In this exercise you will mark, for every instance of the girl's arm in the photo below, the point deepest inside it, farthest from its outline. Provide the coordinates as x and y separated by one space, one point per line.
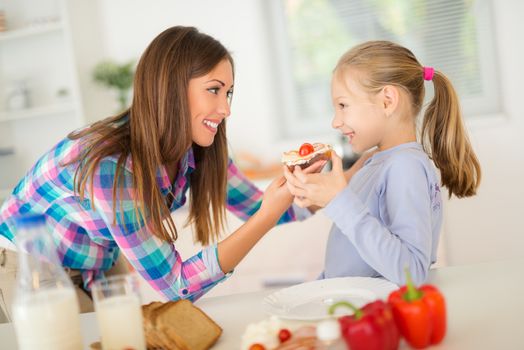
236 246
407 209
348 174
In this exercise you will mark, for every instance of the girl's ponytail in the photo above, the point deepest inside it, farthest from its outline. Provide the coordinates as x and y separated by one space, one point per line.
445 138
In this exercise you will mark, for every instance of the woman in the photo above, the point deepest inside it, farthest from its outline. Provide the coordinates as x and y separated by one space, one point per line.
110 188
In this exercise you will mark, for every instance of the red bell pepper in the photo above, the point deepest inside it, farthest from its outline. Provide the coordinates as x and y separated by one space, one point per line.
371 328
420 313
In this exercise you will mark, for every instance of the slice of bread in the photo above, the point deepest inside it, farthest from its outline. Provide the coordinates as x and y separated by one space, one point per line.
178 325
154 340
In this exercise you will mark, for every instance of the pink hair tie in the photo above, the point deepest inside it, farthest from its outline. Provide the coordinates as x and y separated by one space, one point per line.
428 73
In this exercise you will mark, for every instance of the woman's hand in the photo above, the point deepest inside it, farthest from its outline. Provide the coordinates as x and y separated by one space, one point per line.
277 198
316 189
275 202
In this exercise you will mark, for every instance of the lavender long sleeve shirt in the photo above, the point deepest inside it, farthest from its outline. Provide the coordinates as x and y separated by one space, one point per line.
388 217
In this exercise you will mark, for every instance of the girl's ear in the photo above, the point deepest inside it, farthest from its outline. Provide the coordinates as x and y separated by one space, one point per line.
390 99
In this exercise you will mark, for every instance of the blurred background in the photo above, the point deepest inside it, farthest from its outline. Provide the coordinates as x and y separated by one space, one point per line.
68 63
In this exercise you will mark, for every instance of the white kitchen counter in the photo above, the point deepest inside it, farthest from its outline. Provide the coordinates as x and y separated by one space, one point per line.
485 303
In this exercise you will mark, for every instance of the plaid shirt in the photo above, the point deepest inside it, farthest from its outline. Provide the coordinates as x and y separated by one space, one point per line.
90 240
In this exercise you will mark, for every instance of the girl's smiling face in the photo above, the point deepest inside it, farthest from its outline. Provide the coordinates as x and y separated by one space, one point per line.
358 114
209 102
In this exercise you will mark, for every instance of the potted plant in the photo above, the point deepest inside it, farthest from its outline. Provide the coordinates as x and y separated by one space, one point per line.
116 76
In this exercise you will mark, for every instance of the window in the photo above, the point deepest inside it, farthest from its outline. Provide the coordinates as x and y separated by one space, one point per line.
454 36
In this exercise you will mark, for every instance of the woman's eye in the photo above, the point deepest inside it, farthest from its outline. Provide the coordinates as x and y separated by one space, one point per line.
213 90
342 105
229 95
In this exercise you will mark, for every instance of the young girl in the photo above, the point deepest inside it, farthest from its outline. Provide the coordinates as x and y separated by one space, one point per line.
388 217
110 188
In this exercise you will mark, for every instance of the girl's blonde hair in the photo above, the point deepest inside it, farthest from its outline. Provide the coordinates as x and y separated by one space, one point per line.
443 134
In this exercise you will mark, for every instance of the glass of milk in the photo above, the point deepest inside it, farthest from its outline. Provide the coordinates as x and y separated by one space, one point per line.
119 313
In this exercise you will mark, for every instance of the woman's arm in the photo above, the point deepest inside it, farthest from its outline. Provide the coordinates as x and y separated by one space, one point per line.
244 198
234 248
157 261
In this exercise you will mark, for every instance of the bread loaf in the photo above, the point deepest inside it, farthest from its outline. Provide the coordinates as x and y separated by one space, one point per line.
178 325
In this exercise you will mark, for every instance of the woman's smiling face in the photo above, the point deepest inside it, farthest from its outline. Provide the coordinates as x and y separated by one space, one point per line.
209 99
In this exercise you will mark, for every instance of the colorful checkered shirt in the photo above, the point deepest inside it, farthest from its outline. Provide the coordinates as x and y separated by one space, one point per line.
90 240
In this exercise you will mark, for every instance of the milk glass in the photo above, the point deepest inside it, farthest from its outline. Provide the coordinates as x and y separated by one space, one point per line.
119 313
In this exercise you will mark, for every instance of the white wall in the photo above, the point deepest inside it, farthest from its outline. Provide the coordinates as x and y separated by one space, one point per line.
482 228
89 49
489 226
127 27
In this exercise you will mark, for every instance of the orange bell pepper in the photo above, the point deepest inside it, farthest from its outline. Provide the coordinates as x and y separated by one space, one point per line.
420 313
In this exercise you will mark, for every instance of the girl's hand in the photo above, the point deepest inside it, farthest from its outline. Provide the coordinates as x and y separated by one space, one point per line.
316 189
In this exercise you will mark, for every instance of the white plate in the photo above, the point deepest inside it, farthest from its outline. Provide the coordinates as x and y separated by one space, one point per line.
310 301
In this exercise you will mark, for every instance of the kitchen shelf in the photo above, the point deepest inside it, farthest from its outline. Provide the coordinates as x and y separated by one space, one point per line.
37 49
31 31
37 112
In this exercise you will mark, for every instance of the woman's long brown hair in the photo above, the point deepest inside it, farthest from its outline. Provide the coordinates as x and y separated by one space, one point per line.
156 131
443 134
